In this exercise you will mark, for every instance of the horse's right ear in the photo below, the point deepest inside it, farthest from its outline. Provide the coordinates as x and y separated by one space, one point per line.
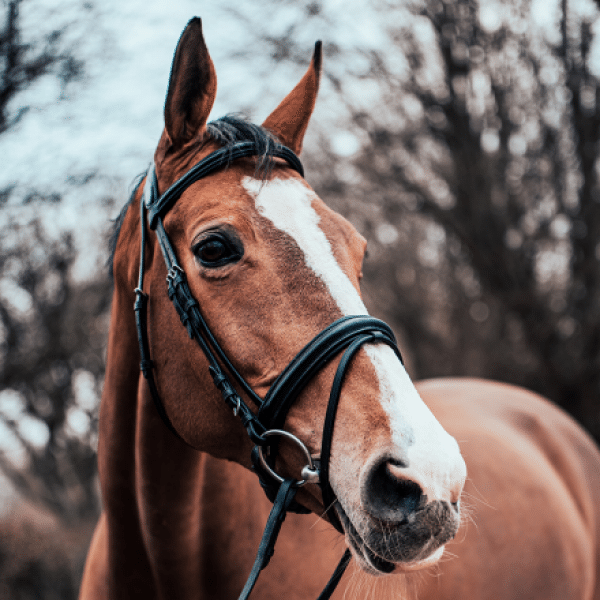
290 119
192 88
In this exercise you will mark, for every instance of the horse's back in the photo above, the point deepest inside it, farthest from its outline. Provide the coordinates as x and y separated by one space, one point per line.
533 491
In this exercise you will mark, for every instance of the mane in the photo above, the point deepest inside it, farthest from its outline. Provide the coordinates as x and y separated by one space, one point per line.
230 129
227 131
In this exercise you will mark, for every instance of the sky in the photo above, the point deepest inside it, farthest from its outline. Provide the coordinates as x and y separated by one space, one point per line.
109 123
111 120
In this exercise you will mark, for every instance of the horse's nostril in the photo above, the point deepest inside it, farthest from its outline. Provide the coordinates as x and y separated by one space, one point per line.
389 494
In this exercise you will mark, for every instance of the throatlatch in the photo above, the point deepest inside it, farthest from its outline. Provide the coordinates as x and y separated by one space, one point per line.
347 334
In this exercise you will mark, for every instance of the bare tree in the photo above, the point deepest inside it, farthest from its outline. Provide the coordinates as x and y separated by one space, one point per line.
51 369
23 62
52 336
43 349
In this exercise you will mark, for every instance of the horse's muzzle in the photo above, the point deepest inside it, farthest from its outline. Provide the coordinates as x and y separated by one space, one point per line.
399 526
383 547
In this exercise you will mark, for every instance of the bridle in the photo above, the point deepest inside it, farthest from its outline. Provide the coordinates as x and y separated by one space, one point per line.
264 428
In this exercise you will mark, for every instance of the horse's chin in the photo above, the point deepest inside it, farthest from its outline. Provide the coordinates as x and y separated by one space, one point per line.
396 560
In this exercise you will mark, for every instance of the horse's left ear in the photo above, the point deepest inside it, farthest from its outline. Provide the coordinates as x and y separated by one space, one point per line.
290 119
192 87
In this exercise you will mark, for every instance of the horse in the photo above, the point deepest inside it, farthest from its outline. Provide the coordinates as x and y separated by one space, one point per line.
258 358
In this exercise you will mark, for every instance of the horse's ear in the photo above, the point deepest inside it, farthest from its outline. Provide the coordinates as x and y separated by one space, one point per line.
192 87
290 119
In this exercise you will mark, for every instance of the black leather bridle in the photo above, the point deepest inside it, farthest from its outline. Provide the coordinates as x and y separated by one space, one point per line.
265 427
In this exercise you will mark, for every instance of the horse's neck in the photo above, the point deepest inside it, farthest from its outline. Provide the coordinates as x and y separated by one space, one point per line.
180 524
151 481
170 490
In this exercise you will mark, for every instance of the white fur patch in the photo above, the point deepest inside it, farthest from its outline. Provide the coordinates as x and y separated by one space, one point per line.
287 203
432 453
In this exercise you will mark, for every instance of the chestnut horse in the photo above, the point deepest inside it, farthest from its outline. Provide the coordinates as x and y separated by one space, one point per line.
270 270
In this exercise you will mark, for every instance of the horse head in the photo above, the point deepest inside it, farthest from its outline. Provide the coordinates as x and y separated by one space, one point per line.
271 267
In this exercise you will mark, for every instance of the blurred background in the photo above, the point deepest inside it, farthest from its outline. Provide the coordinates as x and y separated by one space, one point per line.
459 137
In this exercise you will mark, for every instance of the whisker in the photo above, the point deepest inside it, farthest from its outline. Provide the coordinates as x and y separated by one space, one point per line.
448 556
482 499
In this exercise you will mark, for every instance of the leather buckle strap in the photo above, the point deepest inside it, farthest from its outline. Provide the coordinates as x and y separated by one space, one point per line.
189 313
284 498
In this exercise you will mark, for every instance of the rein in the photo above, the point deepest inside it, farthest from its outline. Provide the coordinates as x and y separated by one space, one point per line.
264 428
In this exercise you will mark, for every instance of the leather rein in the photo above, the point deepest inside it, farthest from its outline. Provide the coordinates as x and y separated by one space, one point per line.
265 428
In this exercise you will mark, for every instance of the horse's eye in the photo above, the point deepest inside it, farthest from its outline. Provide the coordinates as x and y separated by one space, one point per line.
216 251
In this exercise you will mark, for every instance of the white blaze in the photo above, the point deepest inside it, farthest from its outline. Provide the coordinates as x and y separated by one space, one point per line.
287 203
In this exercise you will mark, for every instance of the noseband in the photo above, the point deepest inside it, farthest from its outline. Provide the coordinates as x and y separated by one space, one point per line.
265 428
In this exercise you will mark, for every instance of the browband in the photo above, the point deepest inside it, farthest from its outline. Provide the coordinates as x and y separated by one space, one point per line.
158 206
